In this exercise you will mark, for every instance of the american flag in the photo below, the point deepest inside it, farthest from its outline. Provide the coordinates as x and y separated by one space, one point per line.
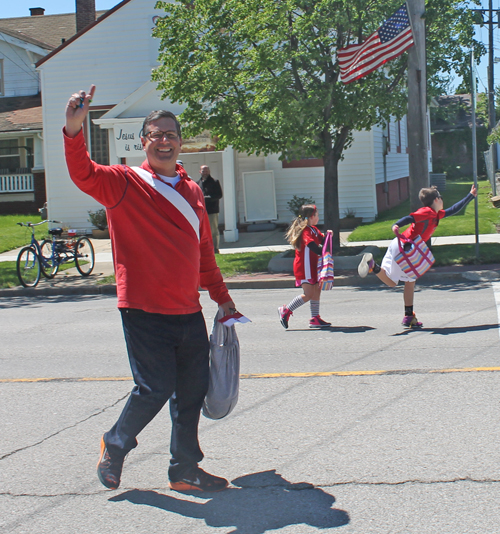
392 39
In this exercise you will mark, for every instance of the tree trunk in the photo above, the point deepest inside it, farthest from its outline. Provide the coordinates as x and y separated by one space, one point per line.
331 197
333 153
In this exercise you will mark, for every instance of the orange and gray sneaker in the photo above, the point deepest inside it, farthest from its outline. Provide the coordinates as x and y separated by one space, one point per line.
410 321
109 468
199 480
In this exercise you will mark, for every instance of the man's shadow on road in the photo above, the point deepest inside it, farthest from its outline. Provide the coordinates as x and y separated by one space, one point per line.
344 329
447 330
261 502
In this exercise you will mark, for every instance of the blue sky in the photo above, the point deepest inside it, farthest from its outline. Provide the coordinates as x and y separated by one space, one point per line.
20 8
482 35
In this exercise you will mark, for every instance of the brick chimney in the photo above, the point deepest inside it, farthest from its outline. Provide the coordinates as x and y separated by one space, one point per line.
85 13
36 11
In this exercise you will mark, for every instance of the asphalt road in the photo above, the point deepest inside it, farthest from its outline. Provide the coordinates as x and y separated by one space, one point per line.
362 428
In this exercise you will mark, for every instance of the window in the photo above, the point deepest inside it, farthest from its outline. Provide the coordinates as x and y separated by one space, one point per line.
99 141
1 78
397 140
301 163
386 133
16 155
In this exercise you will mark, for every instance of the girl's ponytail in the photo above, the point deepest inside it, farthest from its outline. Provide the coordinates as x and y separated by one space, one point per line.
294 233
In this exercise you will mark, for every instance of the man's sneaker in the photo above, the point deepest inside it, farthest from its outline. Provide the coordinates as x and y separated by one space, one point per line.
199 480
410 321
109 468
285 315
317 322
366 265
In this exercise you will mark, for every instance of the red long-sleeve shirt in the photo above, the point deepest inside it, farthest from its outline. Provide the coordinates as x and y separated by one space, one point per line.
159 263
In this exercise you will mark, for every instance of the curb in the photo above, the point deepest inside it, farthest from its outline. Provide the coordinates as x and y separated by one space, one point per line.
347 280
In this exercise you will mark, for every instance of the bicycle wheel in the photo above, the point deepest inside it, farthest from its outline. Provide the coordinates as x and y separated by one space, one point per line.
48 266
28 267
84 256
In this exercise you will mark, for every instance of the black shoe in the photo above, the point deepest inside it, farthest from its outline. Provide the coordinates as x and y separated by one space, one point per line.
109 468
199 480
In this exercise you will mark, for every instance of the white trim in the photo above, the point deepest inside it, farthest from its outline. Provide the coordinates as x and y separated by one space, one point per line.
174 197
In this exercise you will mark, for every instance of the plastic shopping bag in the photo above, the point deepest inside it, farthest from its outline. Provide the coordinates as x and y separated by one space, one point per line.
224 382
417 260
325 265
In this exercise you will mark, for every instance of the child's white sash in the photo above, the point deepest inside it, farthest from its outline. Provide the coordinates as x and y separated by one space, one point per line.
175 198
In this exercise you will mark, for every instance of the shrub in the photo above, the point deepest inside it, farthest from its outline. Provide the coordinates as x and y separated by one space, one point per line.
295 204
98 219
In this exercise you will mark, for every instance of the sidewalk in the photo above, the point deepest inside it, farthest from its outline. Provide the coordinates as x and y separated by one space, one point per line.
70 282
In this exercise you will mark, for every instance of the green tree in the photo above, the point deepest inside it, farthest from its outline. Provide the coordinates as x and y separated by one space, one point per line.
263 76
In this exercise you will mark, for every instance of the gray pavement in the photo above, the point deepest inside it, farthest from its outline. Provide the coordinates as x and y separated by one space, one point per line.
363 428
70 281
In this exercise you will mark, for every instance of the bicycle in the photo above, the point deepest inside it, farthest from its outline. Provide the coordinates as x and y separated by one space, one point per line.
46 258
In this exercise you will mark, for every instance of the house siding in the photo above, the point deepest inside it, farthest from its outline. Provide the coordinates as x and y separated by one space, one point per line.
20 79
129 67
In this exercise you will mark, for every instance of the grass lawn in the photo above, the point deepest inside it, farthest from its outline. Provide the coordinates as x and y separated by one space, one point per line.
8 273
461 224
244 262
14 236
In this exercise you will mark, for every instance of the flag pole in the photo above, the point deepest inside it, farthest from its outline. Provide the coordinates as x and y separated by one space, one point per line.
474 145
418 139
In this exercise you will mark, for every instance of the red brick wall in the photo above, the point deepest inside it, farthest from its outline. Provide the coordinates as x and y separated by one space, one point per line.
85 13
397 192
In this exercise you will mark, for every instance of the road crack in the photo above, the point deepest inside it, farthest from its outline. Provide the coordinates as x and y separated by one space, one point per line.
21 449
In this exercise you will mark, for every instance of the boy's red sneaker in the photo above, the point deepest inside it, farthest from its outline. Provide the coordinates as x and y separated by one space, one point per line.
317 322
366 265
410 321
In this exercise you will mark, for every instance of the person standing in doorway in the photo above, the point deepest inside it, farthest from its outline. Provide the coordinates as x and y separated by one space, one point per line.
213 193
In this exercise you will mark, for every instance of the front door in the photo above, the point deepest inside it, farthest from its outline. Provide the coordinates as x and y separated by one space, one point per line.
192 163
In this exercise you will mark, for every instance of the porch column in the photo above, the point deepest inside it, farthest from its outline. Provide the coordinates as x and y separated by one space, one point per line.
229 197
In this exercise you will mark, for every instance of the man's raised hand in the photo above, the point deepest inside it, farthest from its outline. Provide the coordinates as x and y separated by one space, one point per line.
77 109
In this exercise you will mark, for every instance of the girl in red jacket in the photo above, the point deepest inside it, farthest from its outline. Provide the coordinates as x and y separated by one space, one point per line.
308 242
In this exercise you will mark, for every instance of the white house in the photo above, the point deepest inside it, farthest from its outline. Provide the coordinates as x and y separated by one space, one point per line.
23 42
117 53
22 184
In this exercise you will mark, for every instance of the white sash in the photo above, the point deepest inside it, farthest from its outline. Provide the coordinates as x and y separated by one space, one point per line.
175 198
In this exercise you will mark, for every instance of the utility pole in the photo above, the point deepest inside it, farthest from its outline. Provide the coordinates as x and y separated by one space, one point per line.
418 135
474 145
491 78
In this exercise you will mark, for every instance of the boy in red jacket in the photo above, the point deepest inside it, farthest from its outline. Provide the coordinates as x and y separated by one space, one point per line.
423 222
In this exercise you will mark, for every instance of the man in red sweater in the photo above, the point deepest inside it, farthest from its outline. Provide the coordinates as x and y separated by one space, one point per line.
162 252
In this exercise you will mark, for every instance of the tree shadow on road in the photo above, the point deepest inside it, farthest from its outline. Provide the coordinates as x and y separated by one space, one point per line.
447 330
260 502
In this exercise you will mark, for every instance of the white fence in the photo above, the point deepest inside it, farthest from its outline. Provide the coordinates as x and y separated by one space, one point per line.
16 183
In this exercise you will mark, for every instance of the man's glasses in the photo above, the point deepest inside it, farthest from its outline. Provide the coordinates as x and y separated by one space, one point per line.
158 134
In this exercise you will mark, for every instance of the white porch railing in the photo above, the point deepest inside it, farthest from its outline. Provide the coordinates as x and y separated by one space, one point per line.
16 183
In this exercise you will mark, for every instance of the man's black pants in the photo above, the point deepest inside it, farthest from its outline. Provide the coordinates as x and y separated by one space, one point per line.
168 356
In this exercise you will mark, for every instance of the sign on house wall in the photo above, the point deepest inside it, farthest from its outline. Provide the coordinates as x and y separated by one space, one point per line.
128 144
128 139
